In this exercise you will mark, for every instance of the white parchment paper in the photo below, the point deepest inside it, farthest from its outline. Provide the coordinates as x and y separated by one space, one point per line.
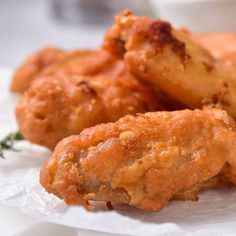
214 213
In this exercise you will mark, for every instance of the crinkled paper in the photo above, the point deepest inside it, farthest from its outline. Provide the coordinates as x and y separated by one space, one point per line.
213 214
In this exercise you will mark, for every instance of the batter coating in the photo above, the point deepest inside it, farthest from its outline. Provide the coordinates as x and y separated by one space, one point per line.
168 58
144 160
33 66
221 45
55 107
54 61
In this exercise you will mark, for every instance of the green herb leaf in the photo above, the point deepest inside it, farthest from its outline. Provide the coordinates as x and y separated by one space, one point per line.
8 142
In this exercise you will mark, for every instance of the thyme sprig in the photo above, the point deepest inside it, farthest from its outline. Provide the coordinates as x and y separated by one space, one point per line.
7 143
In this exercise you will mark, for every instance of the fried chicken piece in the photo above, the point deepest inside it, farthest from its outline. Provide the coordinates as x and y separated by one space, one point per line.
87 62
168 59
230 60
221 45
53 61
144 160
33 66
58 63
55 107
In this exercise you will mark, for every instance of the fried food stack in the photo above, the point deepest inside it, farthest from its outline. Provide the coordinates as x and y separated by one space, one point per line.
146 119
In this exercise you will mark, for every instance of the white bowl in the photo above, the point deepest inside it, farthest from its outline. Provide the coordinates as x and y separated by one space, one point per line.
198 15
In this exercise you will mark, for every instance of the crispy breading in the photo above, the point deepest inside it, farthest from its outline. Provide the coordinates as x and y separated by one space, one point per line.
168 59
33 66
87 62
57 106
144 160
53 61
58 63
230 60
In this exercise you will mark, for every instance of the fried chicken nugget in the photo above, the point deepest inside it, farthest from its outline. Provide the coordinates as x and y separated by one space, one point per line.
53 61
55 107
171 61
144 160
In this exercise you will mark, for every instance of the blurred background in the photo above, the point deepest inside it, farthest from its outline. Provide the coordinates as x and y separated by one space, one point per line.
27 25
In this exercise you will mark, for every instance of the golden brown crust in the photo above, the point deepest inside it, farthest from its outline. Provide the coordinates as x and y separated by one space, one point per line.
221 45
144 160
86 62
55 107
53 61
160 36
169 59
230 60
33 66
218 43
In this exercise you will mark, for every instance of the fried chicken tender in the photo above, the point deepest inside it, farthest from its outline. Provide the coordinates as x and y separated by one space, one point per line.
53 61
170 60
221 45
144 160
55 107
